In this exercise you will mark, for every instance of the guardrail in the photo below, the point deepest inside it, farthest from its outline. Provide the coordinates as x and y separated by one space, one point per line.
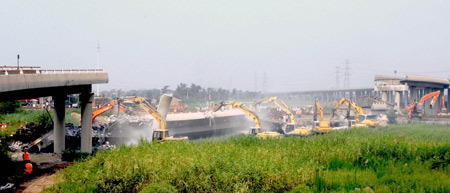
7 70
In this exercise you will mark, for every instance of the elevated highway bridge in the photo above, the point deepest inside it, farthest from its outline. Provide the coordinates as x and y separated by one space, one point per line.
400 91
32 82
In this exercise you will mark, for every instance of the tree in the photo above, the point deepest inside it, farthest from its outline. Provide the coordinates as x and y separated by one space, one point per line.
165 89
9 107
181 92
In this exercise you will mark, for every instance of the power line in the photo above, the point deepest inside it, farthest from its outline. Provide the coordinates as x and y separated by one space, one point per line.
98 63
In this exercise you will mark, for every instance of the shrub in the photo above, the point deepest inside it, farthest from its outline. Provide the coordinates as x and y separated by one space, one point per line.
9 107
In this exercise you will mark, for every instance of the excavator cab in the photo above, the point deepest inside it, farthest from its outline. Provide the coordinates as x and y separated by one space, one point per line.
158 134
288 127
321 127
352 123
368 122
255 130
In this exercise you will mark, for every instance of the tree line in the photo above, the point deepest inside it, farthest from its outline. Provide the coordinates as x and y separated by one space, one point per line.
187 93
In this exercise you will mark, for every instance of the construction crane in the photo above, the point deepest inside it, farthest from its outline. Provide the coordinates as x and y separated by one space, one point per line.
320 126
292 125
257 130
106 107
161 134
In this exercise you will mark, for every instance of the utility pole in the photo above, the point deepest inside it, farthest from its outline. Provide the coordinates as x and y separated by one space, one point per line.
98 63
347 75
337 77
18 57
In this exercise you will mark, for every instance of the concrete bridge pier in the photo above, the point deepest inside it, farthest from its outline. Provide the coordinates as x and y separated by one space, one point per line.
448 100
59 123
86 121
413 95
384 96
397 99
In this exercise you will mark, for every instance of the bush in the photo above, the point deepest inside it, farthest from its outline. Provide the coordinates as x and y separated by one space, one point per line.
10 107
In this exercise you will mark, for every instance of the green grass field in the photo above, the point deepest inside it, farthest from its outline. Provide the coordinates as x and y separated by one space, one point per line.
400 158
25 116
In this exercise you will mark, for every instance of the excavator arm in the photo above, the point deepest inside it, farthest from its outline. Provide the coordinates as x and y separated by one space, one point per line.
435 96
318 111
286 109
356 109
280 104
323 126
106 107
342 101
263 101
241 107
150 110
102 109
360 111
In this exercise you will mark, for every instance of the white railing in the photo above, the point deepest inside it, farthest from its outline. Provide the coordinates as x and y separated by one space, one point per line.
10 70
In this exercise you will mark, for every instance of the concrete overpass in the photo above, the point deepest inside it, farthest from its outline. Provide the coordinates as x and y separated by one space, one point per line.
402 91
32 82
394 90
327 95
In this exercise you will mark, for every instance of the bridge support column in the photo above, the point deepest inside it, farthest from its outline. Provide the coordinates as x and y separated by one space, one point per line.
397 99
59 132
86 122
438 103
413 95
448 101
384 96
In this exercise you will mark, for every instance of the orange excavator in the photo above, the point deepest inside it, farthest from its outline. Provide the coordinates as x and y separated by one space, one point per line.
417 108
442 104
106 107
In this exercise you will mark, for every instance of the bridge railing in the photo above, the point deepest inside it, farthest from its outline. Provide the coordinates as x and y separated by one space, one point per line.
10 70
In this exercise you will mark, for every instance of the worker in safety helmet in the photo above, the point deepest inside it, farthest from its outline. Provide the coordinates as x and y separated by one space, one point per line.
26 156
28 168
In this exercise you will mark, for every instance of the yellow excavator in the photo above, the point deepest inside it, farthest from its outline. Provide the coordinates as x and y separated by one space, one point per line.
161 134
320 126
292 125
358 111
257 130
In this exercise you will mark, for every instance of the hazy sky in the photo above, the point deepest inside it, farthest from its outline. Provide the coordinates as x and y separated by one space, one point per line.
297 44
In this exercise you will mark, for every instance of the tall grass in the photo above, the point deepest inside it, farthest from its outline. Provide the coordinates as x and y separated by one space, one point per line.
25 116
387 159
